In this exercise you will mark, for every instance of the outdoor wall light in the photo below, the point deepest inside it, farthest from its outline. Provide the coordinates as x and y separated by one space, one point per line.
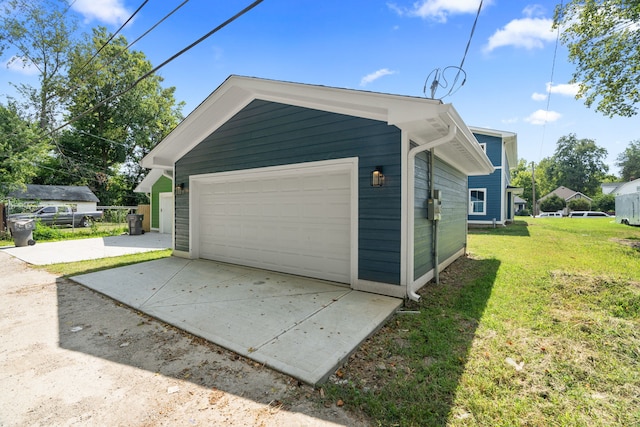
180 188
377 177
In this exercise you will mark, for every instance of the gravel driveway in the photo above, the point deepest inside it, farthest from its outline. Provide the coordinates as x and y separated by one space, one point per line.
69 356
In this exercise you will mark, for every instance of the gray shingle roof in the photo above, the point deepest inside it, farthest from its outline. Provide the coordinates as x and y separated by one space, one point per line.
66 193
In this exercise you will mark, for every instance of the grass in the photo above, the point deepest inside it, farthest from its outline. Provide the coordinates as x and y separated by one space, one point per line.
43 233
538 326
90 266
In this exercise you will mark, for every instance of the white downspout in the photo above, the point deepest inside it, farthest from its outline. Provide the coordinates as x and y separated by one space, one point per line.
411 293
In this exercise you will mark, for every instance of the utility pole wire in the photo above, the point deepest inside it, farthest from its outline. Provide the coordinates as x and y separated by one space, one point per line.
146 75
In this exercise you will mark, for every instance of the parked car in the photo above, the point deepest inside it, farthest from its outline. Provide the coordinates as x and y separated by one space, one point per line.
59 215
549 215
588 214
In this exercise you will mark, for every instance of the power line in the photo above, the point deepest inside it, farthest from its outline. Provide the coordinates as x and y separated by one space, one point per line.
553 67
154 70
436 83
112 37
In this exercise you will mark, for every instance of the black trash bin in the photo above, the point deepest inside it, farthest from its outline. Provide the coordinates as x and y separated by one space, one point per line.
135 224
22 232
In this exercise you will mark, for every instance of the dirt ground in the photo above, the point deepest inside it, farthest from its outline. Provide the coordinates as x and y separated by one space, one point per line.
69 356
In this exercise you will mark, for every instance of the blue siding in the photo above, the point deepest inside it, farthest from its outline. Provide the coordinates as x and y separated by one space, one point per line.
493 147
453 224
271 134
492 183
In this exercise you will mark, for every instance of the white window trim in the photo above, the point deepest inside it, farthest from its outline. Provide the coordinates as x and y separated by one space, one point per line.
483 145
484 205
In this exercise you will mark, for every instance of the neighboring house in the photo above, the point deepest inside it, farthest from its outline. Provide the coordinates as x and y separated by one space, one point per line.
158 186
280 176
491 197
520 203
81 198
567 195
621 188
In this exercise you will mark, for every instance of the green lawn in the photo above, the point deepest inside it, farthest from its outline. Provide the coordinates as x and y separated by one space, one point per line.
539 326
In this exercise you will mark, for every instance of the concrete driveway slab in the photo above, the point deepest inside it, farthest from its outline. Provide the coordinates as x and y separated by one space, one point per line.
86 249
300 326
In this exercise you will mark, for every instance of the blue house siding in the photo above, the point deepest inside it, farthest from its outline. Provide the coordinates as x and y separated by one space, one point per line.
422 227
452 231
493 186
493 147
453 223
271 134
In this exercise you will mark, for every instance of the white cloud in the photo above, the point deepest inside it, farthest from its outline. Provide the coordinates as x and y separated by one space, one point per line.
533 10
538 96
510 121
369 78
108 11
19 65
437 10
566 89
529 33
540 117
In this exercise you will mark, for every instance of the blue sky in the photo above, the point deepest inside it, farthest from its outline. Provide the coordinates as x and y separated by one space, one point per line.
381 46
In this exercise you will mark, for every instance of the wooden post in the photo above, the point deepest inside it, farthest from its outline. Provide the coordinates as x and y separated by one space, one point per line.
145 211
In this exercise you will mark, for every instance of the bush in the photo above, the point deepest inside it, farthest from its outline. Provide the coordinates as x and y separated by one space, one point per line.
579 205
43 232
552 203
604 203
523 212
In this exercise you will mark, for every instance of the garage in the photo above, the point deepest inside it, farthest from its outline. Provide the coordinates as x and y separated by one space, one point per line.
295 219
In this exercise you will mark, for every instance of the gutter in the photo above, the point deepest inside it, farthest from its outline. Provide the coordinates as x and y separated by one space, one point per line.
413 152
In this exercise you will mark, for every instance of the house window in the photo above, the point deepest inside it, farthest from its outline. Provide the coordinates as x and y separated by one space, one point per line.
478 201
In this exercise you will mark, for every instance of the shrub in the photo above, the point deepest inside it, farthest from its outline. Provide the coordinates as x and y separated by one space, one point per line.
604 203
43 232
523 212
552 203
579 205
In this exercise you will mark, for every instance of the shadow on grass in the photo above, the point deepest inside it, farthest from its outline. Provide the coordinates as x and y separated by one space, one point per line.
408 373
517 228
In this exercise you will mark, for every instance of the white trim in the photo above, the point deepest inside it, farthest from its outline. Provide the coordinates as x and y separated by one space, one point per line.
425 278
483 147
380 288
327 166
469 204
406 212
424 119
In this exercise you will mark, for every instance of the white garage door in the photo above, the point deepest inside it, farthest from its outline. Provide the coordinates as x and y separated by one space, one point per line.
290 221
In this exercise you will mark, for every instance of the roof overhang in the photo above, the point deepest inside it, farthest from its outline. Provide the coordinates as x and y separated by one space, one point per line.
423 120
509 139
152 177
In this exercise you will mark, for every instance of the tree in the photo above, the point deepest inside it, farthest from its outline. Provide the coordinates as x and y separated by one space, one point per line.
22 147
604 202
578 164
115 122
39 34
552 203
629 162
579 205
604 42
521 177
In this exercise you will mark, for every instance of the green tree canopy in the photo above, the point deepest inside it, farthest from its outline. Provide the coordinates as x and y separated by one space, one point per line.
629 162
579 205
604 43
114 123
578 164
552 203
521 177
22 148
39 34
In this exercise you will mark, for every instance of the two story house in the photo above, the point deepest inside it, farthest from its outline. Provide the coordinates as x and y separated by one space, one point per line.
491 197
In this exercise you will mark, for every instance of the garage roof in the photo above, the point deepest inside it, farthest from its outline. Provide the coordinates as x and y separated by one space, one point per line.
64 193
424 120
